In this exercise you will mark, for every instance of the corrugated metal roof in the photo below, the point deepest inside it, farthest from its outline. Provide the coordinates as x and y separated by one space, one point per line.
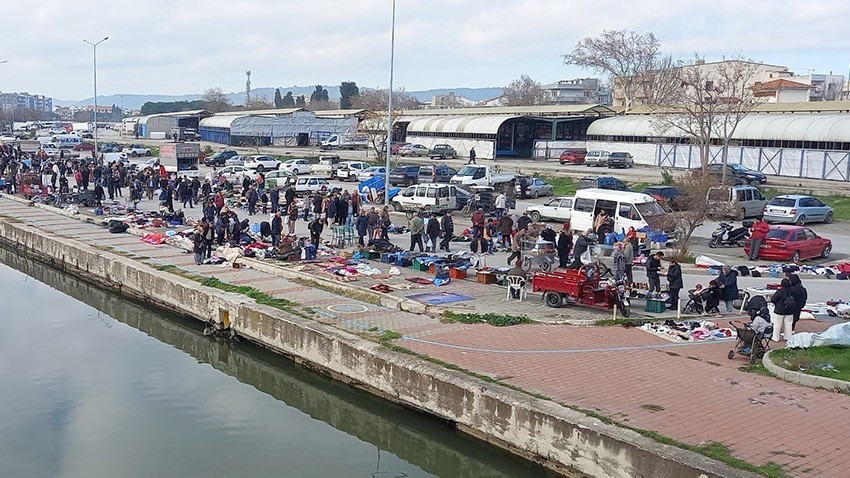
544 110
185 113
338 113
787 127
795 107
459 124
275 112
218 121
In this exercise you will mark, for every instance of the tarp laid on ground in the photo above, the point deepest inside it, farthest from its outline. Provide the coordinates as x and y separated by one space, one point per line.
837 335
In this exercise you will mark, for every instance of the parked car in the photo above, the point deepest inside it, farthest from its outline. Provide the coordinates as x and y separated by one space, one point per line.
621 160
237 160
596 158
137 150
739 201
219 158
437 173
414 150
233 174
740 173
350 170
279 179
396 147
602 182
262 163
442 151
297 166
371 172
558 209
310 184
404 175
797 209
142 165
111 148
670 196
792 243
87 135
536 187
573 156
84 146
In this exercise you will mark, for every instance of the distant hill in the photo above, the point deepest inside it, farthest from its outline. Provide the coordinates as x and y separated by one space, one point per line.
132 101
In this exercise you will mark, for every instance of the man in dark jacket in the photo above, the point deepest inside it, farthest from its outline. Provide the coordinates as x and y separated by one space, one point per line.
316 227
800 295
565 243
729 287
274 198
433 230
363 228
674 279
582 243
653 272
447 225
506 227
523 222
277 228
252 198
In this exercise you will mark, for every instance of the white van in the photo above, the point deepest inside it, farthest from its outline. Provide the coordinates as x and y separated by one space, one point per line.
628 209
66 141
432 197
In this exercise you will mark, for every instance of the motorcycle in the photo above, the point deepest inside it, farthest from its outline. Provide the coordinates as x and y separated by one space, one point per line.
619 295
729 236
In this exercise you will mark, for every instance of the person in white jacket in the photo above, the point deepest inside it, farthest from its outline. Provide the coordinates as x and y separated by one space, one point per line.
500 203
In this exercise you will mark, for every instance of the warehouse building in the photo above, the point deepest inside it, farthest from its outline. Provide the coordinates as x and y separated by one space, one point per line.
281 127
159 126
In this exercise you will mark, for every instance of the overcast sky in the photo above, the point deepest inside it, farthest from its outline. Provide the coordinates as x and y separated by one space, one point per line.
185 46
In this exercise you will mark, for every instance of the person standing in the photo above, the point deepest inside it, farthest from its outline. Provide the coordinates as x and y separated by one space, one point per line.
783 311
581 246
433 230
292 216
417 226
363 228
316 227
653 272
218 201
516 245
471 156
198 246
252 198
274 198
447 226
674 279
629 253
385 223
372 219
277 228
564 245
506 228
759 232
523 222
500 203
618 268
729 287
801 296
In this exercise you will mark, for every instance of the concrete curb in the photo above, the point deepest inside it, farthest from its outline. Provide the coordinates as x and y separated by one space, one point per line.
804 379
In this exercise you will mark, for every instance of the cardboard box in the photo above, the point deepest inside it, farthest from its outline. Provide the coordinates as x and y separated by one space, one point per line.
485 278
455 273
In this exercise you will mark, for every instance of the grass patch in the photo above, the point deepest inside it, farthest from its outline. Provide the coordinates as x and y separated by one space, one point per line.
388 337
758 368
563 185
497 320
257 295
831 362
166 268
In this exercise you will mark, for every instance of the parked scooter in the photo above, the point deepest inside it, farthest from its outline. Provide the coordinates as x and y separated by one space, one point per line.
729 236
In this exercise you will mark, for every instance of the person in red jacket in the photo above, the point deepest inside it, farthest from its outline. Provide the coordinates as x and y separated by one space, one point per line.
759 231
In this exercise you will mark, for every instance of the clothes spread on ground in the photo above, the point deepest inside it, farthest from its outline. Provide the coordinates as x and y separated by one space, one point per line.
689 330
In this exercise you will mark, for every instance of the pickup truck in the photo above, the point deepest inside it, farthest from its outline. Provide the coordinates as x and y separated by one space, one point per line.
345 142
326 167
475 175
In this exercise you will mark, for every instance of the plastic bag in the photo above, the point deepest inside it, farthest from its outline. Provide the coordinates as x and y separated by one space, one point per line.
586 257
394 271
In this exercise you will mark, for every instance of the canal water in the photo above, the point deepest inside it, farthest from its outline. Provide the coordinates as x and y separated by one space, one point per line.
93 385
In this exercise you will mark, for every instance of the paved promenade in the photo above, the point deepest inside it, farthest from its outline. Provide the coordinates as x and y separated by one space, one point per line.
689 392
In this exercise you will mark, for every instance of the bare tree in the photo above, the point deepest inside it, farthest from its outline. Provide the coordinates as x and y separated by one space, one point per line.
694 208
705 103
525 92
216 100
627 57
259 103
378 100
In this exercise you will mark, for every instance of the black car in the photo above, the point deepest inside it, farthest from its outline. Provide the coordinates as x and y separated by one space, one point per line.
602 182
219 158
404 175
739 174
668 195
621 160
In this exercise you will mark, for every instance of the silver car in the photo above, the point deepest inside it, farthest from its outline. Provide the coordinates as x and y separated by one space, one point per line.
797 209
537 188
596 158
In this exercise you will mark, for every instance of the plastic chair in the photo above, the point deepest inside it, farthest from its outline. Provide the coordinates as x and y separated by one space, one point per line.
516 283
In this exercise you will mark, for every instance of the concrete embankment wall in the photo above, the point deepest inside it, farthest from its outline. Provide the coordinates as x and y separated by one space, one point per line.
539 430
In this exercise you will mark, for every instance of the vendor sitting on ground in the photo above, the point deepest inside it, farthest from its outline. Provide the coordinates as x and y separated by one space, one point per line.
516 271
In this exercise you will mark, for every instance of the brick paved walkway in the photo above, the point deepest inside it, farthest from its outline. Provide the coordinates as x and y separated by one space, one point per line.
689 392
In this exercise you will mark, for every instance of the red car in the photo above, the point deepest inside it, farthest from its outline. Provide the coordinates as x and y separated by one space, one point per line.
792 243
84 147
573 156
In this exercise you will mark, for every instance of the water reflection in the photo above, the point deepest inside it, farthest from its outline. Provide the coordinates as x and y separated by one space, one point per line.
212 427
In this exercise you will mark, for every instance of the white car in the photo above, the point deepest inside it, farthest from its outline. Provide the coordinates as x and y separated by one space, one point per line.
136 150
297 166
262 163
558 209
414 150
310 184
279 179
371 172
235 161
233 174
350 170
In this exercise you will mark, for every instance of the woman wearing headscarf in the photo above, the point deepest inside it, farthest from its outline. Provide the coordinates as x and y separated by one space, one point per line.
783 311
564 244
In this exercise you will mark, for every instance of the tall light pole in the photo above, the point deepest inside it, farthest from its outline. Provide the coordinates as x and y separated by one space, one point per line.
389 142
94 48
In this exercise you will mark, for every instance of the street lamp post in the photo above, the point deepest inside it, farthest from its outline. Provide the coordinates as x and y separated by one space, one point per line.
94 48
389 142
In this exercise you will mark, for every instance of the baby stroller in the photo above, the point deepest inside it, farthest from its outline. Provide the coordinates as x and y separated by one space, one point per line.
706 300
754 338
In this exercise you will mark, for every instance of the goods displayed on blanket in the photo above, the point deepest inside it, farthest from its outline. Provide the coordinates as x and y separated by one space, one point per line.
689 330
830 308
154 238
840 271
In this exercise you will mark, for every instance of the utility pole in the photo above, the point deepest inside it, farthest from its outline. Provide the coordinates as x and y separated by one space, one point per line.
389 142
94 48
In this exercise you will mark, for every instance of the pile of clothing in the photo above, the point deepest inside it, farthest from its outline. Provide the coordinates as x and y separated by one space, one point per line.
689 330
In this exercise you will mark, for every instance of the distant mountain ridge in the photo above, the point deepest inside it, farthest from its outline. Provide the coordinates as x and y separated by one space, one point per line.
134 101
